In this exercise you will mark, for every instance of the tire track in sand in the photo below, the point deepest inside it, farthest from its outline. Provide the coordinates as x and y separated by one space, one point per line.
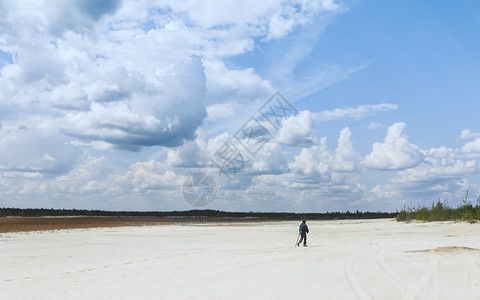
428 280
470 291
353 282
391 273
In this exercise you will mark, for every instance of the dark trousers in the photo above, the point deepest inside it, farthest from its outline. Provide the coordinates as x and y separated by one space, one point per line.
303 237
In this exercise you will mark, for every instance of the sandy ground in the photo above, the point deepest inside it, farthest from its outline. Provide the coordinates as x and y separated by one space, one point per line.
16 224
371 259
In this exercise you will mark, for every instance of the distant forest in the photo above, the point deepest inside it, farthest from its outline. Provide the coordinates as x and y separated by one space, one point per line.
207 213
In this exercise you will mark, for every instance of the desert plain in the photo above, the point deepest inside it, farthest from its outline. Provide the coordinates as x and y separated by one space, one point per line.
345 259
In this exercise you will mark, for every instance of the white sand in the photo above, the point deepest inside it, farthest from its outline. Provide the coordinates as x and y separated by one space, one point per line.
372 259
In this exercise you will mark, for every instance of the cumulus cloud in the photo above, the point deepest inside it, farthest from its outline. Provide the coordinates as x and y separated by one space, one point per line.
436 169
319 160
231 85
146 119
133 75
56 17
442 152
269 157
215 143
221 111
89 176
443 173
28 148
108 93
190 155
395 153
468 134
297 130
269 160
146 176
436 178
302 192
313 160
346 158
472 147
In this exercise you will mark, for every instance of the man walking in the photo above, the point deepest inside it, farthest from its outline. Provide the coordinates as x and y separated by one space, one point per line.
303 233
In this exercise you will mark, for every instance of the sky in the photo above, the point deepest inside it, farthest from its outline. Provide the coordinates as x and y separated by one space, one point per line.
294 106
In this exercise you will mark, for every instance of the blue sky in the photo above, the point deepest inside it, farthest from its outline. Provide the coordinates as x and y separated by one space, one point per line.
114 106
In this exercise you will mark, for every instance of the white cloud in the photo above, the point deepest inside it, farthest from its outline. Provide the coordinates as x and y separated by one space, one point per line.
146 176
221 111
374 125
468 134
269 160
442 152
472 147
89 176
314 160
436 169
329 5
97 64
279 26
233 85
190 155
297 130
234 24
32 144
443 174
132 74
395 153
111 94
302 193
215 143
136 74
346 158
319 160
138 120
251 15
359 112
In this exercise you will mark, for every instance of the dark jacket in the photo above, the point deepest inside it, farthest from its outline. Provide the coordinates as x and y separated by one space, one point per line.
303 228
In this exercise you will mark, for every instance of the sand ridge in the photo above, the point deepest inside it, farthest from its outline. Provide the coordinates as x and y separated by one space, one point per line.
448 249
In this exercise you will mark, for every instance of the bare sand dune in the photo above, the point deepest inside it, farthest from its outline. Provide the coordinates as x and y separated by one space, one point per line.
449 249
371 259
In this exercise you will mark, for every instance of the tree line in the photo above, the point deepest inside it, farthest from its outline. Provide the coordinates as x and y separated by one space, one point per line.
205 213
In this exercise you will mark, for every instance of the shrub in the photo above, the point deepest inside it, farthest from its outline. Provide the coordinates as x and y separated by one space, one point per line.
441 211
